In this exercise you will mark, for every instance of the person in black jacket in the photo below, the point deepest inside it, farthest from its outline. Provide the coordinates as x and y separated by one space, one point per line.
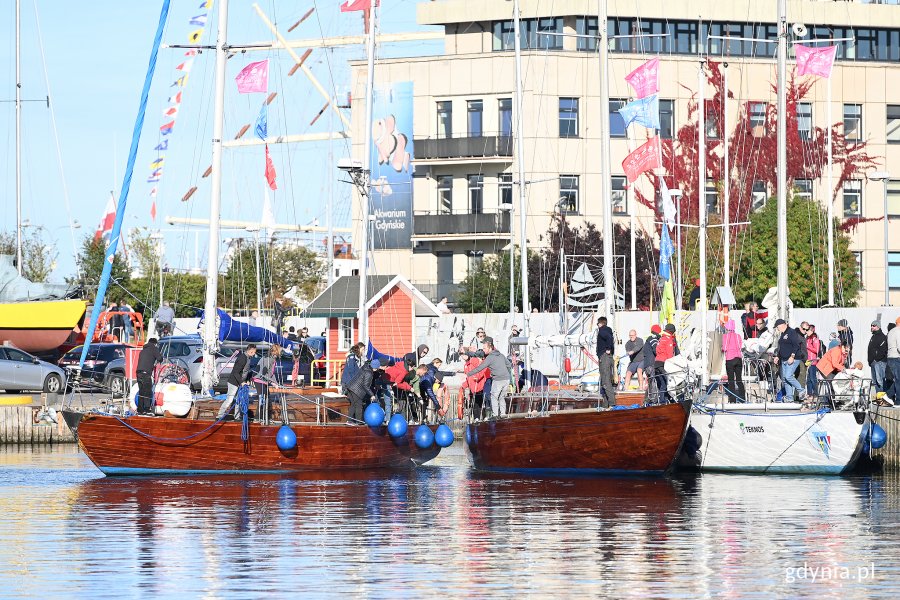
240 374
150 355
359 391
878 356
791 352
845 336
606 346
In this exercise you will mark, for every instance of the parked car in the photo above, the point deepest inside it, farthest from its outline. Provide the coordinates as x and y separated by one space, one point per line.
22 371
103 366
187 351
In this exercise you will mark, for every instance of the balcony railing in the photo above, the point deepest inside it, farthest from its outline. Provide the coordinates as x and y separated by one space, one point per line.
486 146
434 291
437 224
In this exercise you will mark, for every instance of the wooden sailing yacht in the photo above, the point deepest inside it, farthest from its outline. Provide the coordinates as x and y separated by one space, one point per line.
571 433
317 440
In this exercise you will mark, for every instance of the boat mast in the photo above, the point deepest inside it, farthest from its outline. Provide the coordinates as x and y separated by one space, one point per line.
701 219
782 162
18 139
726 231
520 162
367 174
830 198
605 182
210 315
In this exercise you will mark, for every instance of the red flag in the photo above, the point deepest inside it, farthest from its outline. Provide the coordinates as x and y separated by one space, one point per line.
106 223
270 170
351 5
644 158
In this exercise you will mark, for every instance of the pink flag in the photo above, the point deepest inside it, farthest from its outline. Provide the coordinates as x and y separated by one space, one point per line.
644 158
351 5
153 210
645 79
254 78
815 61
270 170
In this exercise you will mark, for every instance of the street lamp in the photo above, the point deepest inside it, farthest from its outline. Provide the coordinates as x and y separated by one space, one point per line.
884 177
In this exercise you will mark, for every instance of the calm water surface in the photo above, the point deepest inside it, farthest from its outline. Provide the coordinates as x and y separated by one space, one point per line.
66 531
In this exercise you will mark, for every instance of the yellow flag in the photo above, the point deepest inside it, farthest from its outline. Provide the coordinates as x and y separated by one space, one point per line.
194 36
667 304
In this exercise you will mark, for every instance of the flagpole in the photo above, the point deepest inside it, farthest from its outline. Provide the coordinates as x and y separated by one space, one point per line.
210 314
606 182
18 141
701 194
363 333
629 198
781 138
520 161
727 199
830 198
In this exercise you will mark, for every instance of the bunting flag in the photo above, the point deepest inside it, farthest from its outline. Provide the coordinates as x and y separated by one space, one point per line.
170 113
644 158
645 79
668 205
270 170
254 78
262 122
643 112
815 61
352 5
106 223
666 250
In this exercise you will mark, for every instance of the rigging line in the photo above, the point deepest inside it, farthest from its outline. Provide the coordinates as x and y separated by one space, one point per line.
51 106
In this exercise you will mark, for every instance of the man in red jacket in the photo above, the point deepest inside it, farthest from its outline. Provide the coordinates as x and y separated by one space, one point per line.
666 348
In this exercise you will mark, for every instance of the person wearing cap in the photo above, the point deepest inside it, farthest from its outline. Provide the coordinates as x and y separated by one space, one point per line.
791 351
815 349
877 356
666 348
359 391
694 298
893 361
845 335
606 347
649 358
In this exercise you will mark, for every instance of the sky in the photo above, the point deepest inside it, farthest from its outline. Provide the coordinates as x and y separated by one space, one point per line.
96 56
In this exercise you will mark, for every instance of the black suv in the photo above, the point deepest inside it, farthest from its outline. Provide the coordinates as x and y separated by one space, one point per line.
96 371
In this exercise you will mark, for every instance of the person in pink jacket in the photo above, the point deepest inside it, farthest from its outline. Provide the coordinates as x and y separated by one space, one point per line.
734 363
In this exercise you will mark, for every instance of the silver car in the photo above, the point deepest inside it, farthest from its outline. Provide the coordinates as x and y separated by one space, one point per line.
22 371
186 351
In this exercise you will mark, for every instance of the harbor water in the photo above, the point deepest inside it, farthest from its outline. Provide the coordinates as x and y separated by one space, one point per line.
440 531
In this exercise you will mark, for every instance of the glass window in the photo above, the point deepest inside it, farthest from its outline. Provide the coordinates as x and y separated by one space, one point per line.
503 35
857 254
853 198
893 199
586 26
568 193
685 37
568 117
616 122
445 119
894 270
758 118
711 119
535 33
758 195
853 121
619 195
18 355
804 119
504 107
712 198
345 334
476 118
893 123
476 194
445 194
506 188
803 188
475 259
666 119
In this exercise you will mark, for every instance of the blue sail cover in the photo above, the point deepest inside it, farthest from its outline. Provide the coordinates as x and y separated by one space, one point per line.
238 331
385 359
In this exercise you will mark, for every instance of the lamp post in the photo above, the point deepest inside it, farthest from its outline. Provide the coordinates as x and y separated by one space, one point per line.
884 177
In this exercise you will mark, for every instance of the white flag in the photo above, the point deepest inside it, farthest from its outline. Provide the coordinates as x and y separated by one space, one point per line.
268 215
668 205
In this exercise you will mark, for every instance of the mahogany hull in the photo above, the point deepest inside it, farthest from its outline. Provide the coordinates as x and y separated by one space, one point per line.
641 441
155 445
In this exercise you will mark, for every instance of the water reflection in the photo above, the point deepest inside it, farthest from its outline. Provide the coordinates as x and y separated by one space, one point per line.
439 531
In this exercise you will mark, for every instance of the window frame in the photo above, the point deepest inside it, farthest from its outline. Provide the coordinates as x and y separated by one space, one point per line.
712 192
755 205
857 131
504 117
858 255
617 129
887 123
757 119
666 119
475 182
803 190
805 117
505 188
846 194
619 191
571 193
893 198
475 116
443 206
345 333
446 132
568 116
893 262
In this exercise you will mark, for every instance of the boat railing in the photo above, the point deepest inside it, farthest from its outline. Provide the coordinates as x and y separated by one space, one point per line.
845 391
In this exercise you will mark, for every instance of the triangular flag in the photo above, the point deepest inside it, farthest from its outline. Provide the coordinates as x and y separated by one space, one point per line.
153 211
199 20
194 36
668 205
180 81
167 128
162 146
191 52
262 122
176 99
268 214
158 162
185 66
270 170
171 111
153 192
351 5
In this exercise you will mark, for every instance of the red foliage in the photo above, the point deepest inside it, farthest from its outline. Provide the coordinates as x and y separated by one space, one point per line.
753 154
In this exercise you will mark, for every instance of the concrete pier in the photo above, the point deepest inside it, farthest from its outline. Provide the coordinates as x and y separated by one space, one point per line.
889 454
